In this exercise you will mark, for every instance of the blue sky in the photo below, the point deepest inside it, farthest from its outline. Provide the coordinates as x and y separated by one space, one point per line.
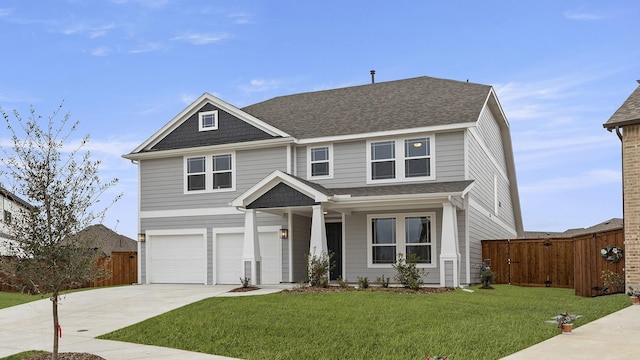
126 67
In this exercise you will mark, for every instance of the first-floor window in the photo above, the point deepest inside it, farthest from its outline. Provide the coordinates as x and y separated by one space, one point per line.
391 235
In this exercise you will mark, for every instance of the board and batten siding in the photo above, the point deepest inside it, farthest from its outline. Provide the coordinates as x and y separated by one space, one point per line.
162 180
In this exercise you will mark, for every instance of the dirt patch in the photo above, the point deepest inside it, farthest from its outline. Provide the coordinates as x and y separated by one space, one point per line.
394 290
244 289
66 356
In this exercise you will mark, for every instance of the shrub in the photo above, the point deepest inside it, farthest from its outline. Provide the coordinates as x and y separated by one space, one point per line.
363 282
384 282
409 275
487 276
245 281
344 283
318 267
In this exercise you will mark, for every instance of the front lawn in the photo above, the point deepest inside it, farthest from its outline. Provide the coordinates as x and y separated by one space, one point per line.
485 324
8 299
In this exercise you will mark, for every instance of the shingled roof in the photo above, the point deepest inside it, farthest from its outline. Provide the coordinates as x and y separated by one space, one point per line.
6 193
628 113
108 240
394 105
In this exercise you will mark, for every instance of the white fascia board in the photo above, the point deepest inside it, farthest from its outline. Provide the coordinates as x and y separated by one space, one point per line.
269 182
197 104
259 144
361 136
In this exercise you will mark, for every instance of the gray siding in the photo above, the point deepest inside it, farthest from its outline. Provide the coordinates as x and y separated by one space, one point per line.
490 131
162 180
450 156
481 227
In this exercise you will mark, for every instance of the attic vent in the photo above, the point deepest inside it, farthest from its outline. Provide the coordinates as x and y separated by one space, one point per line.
373 76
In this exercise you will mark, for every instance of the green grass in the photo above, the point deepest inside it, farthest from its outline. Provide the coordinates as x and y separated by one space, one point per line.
486 324
8 299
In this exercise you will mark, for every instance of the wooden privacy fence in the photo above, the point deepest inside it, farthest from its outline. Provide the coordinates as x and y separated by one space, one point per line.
123 267
573 262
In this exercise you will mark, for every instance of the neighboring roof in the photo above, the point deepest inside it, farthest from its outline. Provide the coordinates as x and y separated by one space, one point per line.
6 193
109 240
611 224
628 113
384 106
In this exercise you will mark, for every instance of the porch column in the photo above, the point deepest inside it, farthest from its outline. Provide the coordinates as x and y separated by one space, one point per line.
251 249
318 243
449 248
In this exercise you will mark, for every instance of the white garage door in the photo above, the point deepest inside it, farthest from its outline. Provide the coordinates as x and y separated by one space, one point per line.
177 259
229 268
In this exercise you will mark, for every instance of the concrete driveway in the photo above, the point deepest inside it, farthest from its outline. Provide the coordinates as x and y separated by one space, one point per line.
87 314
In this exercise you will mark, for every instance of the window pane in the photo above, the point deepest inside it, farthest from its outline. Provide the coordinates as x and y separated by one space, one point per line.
423 252
384 231
383 170
320 169
417 167
384 254
208 121
383 150
222 180
416 147
195 165
222 162
320 154
195 182
417 230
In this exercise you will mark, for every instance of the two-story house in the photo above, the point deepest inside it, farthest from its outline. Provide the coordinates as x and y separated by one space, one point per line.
421 165
10 206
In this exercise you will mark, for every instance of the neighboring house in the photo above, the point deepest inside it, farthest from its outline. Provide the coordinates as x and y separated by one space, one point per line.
108 240
626 123
9 208
421 165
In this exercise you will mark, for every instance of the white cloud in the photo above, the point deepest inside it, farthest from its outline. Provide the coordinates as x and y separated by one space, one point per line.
91 31
201 38
582 15
148 47
590 179
187 99
241 18
100 51
259 85
143 3
5 11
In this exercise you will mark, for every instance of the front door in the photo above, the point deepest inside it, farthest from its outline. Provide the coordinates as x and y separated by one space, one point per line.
334 245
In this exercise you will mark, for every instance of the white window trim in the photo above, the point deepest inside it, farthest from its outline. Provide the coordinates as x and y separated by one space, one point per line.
400 159
202 114
330 160
208 187
400 238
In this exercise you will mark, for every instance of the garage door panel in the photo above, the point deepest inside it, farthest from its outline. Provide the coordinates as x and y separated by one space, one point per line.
177 259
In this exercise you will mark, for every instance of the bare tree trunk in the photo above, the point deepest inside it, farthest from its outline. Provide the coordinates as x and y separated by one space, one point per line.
56 326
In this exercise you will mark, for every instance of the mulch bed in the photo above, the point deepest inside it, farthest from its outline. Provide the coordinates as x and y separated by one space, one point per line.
66 356
244 289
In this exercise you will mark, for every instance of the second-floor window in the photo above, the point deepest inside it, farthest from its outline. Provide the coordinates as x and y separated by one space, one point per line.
210 173
400 159
320 164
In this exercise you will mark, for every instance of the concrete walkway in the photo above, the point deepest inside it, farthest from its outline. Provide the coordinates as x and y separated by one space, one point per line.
613 337
87 314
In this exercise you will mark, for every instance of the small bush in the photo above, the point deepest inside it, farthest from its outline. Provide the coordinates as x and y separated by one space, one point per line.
363 282
344 283
409 275
245 281
318 268
487 276
382 281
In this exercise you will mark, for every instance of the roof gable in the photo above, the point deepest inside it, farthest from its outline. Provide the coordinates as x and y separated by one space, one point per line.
314 192
385 106
281 195
231 115
230 130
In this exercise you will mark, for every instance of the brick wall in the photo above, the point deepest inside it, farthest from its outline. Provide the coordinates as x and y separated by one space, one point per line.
631 179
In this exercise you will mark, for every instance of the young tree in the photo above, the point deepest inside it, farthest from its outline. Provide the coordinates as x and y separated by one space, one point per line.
63 187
